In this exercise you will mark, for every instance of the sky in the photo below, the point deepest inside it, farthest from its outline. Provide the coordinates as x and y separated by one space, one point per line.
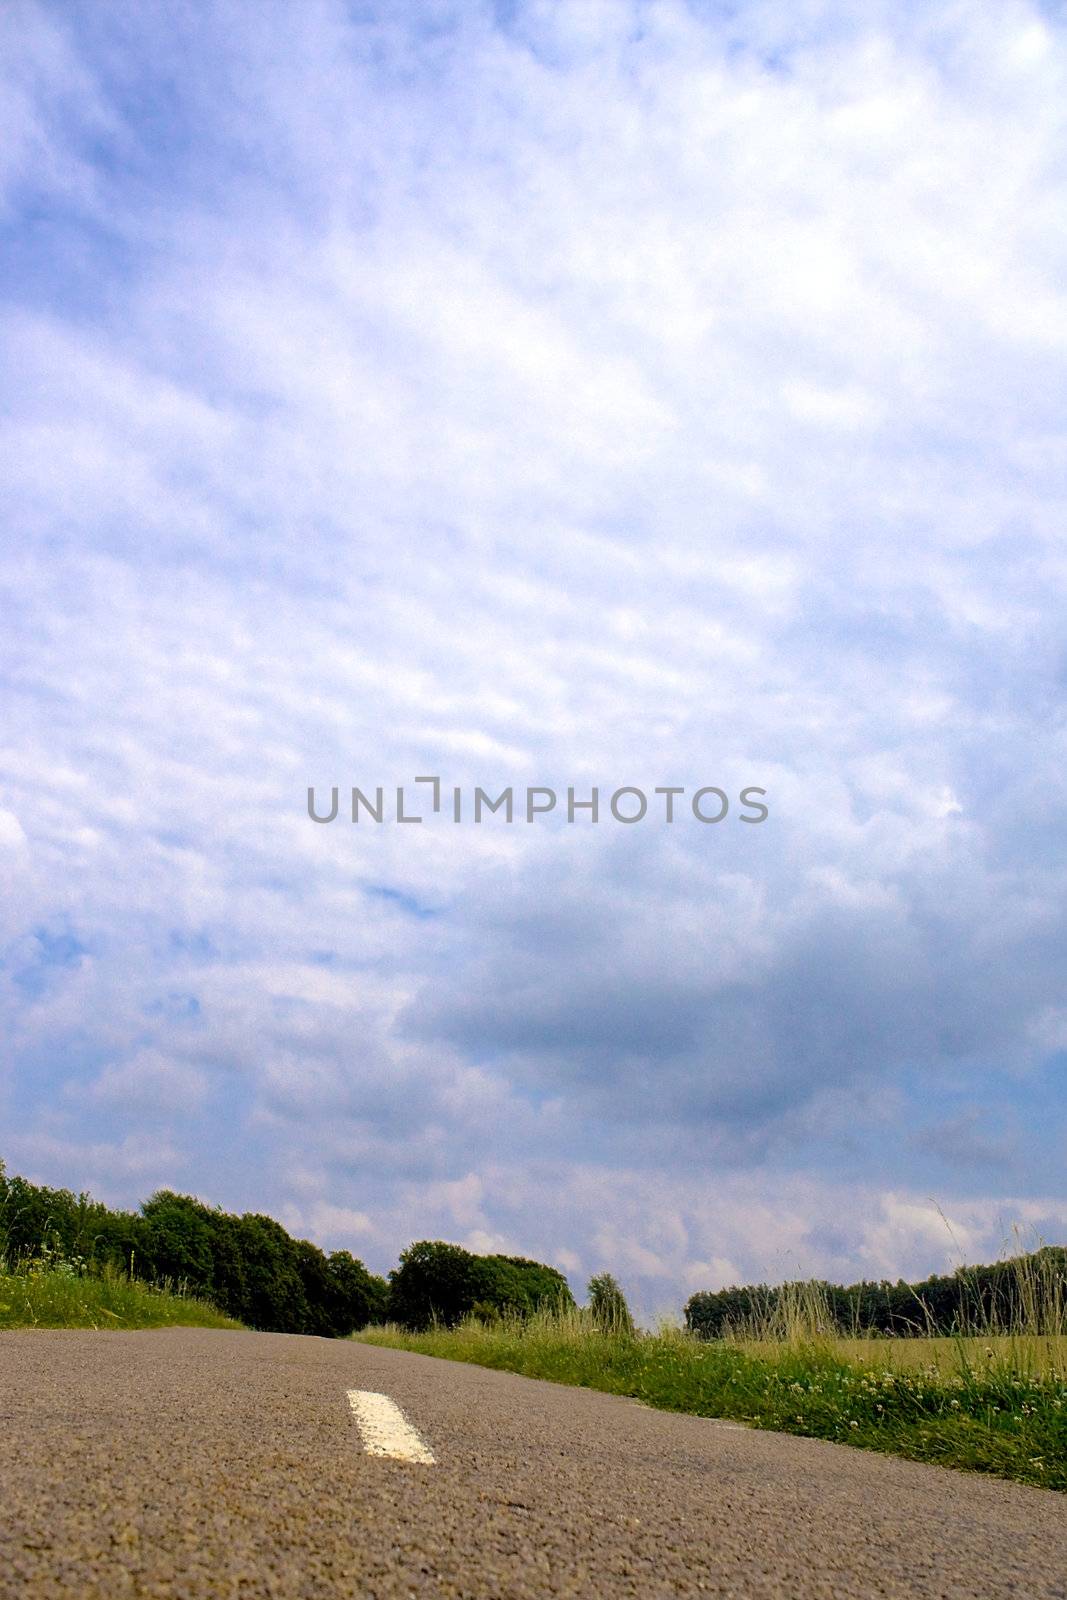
611 393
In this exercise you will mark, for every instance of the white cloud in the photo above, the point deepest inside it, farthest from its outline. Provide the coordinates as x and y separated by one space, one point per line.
151 1084
11 834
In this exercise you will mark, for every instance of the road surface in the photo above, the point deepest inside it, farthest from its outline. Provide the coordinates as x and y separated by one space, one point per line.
196 1465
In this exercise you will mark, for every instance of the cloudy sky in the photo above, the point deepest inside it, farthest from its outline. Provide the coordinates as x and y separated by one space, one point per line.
590 393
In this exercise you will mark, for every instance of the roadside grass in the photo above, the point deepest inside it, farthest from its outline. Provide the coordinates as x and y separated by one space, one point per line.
998 1408
1033 1341
1020 1352
60 1297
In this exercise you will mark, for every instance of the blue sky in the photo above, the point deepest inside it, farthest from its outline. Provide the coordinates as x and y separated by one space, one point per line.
608 393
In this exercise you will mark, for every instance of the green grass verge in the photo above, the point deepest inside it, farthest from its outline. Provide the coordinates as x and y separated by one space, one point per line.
57 1299
1004 1419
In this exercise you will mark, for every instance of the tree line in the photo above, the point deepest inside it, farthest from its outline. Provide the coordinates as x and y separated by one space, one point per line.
1025 1291
251 1268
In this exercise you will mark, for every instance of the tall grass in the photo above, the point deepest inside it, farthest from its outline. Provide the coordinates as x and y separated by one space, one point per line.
58 1296
1040 1294
794 1314
1030 1304
991 1415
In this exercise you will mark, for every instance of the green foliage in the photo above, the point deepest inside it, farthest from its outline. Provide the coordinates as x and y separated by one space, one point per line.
248 1266
442 1283
55 1293
521 1286
1027 1291
32 1217
358 1294
435 1282
607 1303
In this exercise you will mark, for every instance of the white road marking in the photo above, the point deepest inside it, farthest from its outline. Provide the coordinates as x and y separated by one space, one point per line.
385 1429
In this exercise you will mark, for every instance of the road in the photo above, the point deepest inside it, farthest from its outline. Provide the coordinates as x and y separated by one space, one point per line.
202 1465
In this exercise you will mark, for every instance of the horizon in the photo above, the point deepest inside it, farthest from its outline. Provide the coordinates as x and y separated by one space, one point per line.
1011 1253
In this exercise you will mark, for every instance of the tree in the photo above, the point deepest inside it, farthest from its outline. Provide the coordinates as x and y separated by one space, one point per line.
248 1266
359 1296
439 1282
436 1282
608 1305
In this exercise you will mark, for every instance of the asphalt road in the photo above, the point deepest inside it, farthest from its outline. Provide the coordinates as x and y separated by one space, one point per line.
190 1464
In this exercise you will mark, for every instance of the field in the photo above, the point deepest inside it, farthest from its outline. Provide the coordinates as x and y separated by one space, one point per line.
1030 1353
59 1298
994 1405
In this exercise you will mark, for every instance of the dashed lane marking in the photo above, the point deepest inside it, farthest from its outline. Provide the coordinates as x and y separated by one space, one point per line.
385 1429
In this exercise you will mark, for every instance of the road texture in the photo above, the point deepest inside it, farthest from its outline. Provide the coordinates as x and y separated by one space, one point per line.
197 1465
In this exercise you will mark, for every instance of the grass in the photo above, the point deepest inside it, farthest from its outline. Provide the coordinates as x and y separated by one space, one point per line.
998 1408
1034 1341
1020 1352
60 1297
